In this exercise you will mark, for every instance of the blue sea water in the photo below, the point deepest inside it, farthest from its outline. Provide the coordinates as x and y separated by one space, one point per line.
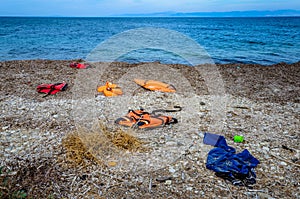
266 40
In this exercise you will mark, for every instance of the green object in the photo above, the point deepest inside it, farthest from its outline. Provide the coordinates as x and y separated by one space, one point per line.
238 138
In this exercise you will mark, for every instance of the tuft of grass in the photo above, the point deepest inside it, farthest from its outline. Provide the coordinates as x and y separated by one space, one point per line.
76 150
123 140
86 146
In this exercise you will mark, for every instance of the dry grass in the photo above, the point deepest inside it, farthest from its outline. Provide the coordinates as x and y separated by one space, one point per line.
81 153
76 151
83 146
123 140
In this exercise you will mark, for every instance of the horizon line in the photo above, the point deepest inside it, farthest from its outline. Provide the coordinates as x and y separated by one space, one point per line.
140 16
234 13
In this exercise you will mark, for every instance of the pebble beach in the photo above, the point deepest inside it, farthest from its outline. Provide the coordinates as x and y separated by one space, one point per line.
262 104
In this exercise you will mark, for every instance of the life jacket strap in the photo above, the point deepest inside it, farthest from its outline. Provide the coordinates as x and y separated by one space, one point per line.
177 108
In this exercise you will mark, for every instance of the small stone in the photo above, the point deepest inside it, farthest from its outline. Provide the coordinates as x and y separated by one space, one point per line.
112 163
195 137
5 128
175 175
172 170
264 196
266 148
22 108
163 179
201 134
283 163
189 188
24 136
266 156
264 143
168 182
171 143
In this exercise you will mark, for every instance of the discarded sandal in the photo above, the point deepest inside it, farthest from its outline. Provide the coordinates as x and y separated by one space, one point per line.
154 85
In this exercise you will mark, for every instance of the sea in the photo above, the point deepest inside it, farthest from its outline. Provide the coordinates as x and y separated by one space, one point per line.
256 40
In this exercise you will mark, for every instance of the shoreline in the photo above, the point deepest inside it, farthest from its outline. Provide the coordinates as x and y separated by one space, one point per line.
275 83
263 105
134 63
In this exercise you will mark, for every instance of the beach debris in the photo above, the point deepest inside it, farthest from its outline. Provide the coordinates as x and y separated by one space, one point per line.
142 119
44 171
79 65
51 89
238 138
110 89
154 85
211 139
237 168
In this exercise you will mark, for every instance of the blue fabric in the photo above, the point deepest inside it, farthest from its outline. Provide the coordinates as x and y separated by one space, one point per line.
211 139
223 159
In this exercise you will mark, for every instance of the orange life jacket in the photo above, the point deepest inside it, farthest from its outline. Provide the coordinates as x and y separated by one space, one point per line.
110 89
142 119
154 85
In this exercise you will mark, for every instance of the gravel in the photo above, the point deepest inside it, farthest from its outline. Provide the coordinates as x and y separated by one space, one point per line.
260 102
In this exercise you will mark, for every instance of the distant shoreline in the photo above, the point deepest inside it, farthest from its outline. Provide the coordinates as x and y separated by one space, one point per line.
230 14
137 16
137 63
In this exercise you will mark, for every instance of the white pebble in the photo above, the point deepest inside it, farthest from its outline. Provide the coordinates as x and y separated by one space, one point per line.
5 127
172 170
168 182
283 163
266 148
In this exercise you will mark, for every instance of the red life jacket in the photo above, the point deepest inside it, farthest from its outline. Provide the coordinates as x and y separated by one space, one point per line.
78 65
51 89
